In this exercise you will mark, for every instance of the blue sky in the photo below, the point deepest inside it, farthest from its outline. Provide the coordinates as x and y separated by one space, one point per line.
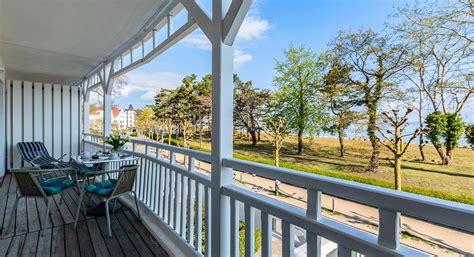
269 28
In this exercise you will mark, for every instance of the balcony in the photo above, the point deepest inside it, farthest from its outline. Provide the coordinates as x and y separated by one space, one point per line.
45 86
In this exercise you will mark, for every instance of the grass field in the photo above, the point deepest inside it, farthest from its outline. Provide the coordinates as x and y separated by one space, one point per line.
454 182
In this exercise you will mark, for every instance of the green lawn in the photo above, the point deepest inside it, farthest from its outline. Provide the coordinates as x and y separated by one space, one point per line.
454 182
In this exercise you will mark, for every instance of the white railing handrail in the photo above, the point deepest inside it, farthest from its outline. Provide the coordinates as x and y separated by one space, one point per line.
199 177
360 241
448 213
199 155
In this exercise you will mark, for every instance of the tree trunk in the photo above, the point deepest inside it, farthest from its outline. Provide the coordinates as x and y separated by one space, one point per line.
253 134
441 154
277 155
398 173
170 132
259 134
300 142
448 158
421 146
200 135
371 129
340 133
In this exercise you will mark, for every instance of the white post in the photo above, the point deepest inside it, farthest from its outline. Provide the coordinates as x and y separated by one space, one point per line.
86 110
222 132
2 120
107 115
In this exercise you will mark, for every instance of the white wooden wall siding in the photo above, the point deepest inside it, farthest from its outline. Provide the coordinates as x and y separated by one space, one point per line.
45 113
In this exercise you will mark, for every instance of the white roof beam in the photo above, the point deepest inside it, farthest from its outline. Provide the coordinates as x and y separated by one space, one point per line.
234 18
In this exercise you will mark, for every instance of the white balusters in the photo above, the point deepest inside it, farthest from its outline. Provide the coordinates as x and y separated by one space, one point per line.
249 231
234 228
191 193
208 221
198 231
288 235
267 232
313 212
389 228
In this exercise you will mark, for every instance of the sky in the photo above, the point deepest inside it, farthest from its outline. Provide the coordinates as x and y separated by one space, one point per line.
270 27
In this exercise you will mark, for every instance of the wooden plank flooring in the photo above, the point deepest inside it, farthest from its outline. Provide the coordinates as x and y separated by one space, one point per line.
129 236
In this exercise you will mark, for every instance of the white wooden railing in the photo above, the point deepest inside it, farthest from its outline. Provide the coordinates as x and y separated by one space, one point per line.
174 191
181 194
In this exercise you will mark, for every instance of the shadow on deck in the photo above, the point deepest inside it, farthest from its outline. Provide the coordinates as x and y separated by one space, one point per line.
130 237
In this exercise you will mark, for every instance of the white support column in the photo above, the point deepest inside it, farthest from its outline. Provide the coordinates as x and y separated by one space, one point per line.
222 132
2 120
169 21
107 115
85 124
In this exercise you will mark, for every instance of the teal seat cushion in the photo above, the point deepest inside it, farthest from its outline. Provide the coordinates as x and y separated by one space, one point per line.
56 185
103 188
85 170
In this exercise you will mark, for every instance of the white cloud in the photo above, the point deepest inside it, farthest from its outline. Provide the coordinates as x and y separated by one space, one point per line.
252 28
149 95
198 40
139 82
240 57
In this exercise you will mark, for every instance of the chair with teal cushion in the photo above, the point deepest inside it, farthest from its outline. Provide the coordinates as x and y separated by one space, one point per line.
28 186
54 186
111 189
103 188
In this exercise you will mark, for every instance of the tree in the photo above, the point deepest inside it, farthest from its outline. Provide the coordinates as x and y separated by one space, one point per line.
469 133
201 100
277 128
395 142
249 106
439 38
342 99
298 79
119 83
374 63
146 120
444 130
163 111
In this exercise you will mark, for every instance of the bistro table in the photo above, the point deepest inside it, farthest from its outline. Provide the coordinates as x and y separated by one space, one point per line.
102 164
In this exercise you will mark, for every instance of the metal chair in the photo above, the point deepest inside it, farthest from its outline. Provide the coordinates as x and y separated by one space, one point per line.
29 186
110 190
36 154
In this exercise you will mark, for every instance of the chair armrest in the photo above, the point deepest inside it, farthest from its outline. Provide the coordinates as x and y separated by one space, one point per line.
98 173
38 170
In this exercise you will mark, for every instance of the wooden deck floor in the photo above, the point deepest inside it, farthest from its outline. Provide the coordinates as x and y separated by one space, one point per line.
130 237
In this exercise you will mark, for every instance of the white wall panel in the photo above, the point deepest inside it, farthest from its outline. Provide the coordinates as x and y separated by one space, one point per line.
8 131
48 117
66 120
38 112
27 114
57 121
17 124
3 134
75 129
42 112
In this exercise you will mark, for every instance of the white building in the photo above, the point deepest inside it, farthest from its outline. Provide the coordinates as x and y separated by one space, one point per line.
121 118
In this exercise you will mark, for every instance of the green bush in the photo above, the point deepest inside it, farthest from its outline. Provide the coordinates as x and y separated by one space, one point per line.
469 133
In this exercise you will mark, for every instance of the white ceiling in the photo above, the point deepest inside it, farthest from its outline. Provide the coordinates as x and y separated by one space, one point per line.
59 41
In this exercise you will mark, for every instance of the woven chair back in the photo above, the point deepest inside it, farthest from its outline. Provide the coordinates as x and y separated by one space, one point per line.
125 180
